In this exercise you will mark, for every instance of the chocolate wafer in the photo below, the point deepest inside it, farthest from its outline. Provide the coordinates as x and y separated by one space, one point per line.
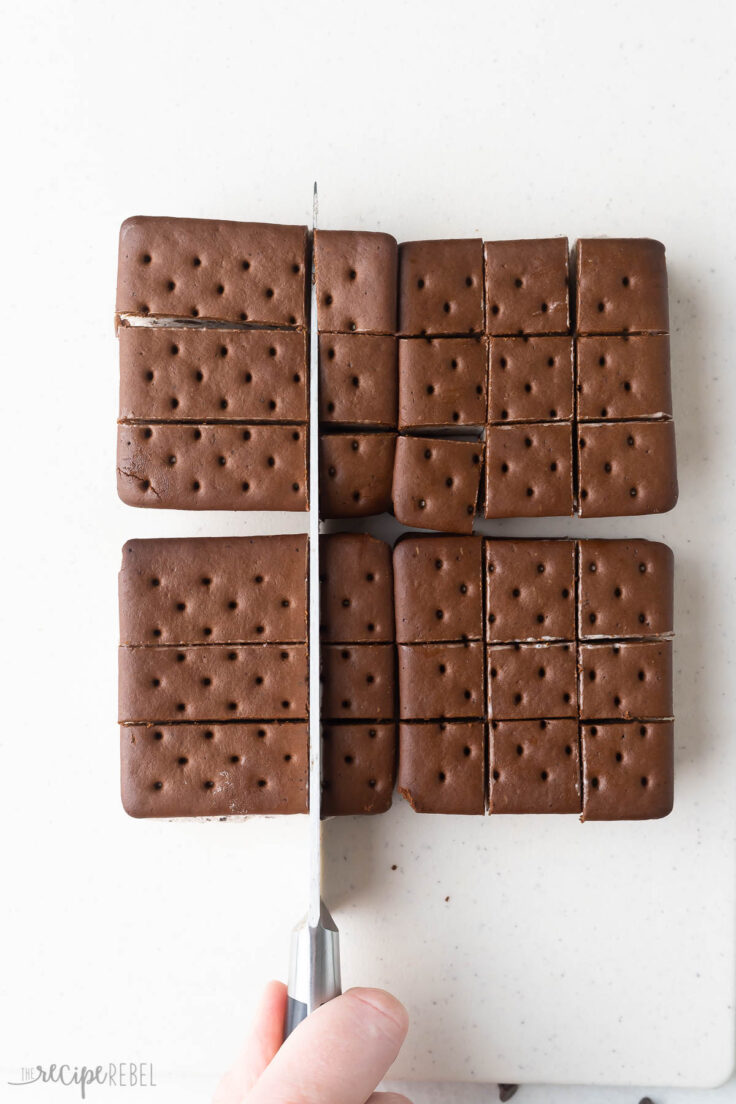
575 637
442 382
438 589
441 767
529 470
621 286
356 273
528 681
626 680
626 468
358 768
210 270
186 770
440 680
527 286
626 589
357 673
212 467
213 637
628 770
355 474
357 378
180 375
530 590
356 590
536 397
213 682
531 379
623 377
441 287
358 682
436 483
534 767
214 590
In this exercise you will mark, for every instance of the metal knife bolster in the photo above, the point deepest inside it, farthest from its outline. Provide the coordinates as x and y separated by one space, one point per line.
314 970
314 973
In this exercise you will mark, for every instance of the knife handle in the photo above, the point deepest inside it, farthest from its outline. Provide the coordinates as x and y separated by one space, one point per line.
314 969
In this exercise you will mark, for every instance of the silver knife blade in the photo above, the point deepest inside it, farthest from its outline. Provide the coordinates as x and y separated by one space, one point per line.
315 689
314 972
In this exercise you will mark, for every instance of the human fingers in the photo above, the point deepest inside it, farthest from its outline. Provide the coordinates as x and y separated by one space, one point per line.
264 1039
338 1054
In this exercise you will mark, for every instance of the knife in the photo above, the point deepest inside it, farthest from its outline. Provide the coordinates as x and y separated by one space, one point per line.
314 970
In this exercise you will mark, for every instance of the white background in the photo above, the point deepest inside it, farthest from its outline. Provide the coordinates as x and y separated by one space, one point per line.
144 941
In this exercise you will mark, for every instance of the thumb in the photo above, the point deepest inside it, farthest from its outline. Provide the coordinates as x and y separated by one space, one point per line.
338 1054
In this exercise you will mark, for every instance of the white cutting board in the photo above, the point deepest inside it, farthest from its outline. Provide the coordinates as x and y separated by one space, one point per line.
566 952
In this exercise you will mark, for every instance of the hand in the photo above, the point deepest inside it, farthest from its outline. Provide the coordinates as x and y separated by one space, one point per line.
336 1056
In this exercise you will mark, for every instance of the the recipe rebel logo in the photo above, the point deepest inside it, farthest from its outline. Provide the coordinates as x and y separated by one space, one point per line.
114 1075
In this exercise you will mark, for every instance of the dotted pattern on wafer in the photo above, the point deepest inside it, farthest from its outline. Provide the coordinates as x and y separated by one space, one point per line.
575 644
496 334
214 590
212 345
214 770
204 269
358 673
188 375
436 483
355 474
566 345
213 676
358 768
212 467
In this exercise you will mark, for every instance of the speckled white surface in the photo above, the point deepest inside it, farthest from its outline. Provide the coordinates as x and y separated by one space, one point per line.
566 953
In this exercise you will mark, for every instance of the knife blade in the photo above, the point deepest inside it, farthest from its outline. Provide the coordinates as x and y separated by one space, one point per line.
314 971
